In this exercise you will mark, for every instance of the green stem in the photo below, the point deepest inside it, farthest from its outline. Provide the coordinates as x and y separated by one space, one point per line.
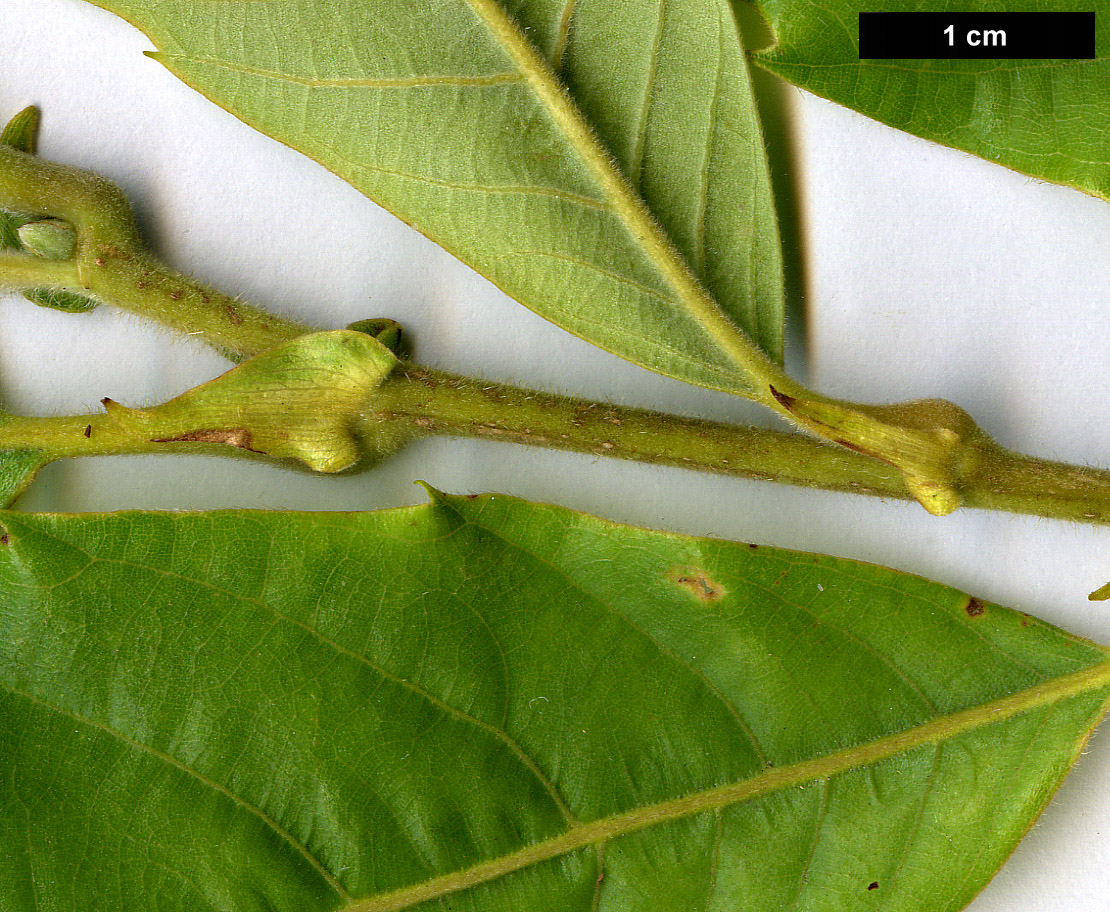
297 400
224 417
929 450
144 286
416 401
18 270
111 264
931 442
65 436
1015 483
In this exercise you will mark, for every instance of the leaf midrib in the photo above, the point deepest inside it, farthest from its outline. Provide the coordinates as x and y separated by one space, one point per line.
736 363
772 780
625 202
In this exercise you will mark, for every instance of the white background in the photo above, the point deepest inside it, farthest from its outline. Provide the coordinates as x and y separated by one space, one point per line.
925 272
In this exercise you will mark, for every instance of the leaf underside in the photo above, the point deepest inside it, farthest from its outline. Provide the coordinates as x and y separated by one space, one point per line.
428 109
17 470
1046 118
485 704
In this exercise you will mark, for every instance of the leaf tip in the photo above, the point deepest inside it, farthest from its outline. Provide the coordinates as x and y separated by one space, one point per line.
160 57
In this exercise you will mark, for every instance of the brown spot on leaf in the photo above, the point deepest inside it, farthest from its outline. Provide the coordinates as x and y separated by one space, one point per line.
974 607
874 885
88 430
5 539
698 583
233 315
236 437
753 546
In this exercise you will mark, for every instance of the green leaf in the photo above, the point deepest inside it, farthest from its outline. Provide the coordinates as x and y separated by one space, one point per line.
17 469
10 223
9 231
511 706
1046 118
57 299
633 209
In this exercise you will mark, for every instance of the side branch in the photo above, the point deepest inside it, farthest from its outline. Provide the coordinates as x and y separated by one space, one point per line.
106 260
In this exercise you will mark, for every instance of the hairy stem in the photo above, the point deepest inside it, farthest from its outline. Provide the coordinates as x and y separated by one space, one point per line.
933 443
416 401
928 450
298 400
111 264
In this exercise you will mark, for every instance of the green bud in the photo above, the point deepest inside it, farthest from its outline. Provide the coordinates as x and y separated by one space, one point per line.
299 400
22 131
56 299
50 239
934 443
386 331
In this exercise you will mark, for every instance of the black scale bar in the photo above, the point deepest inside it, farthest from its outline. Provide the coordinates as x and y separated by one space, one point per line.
977 36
